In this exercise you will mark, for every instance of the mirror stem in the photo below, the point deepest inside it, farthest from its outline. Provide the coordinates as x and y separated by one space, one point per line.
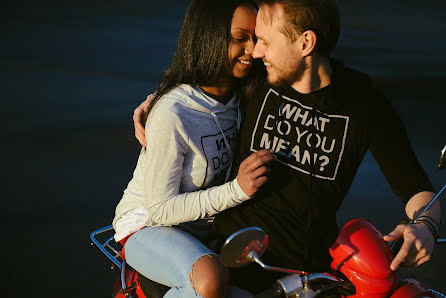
253 256
430 203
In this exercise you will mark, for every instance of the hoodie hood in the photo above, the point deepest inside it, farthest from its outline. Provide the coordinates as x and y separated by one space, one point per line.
195 99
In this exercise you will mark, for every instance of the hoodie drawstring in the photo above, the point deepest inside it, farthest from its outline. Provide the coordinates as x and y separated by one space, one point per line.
231 153
221 131
239 119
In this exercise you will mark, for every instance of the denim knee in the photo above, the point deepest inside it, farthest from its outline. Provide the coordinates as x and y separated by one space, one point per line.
166 255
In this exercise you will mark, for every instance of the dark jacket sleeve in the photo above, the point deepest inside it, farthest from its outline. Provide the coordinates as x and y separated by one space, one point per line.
390 146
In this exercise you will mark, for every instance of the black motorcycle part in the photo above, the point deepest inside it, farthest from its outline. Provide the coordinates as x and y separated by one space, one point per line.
150 288
270 293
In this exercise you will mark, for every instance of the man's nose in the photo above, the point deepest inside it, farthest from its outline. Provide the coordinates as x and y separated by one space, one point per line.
258 51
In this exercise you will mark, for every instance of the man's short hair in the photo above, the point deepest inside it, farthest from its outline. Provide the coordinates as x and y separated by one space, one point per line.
319 16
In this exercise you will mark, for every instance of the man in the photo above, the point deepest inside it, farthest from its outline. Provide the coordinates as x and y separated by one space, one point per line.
319 118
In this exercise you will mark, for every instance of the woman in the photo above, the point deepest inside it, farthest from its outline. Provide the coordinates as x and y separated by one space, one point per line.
194 119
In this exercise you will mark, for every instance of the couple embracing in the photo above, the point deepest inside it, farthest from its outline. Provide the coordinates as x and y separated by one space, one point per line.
254 124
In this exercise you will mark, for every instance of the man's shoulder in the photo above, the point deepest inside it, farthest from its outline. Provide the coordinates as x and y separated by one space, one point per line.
349 78
356 87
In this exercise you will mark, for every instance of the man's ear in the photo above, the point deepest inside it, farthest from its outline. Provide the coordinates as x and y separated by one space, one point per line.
308 42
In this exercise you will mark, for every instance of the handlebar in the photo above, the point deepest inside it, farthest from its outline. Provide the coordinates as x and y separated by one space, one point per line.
293 283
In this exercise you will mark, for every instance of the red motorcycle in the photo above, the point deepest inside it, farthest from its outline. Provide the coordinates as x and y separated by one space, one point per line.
360 266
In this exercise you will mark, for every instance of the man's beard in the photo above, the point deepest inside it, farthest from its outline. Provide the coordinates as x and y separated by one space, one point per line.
291 78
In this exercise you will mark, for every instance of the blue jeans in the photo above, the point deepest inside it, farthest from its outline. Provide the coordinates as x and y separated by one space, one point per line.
166 255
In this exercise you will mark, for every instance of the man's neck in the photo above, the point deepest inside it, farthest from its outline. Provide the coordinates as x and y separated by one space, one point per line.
317 75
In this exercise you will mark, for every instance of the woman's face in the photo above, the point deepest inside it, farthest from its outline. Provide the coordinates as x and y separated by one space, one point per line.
243 40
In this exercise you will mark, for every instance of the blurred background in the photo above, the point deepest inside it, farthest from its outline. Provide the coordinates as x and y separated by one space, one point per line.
71 74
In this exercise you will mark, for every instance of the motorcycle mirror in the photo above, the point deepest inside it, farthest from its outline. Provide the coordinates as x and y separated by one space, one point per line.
235 250
442 162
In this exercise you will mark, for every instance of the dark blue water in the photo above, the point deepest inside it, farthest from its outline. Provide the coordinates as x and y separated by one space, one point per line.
71 74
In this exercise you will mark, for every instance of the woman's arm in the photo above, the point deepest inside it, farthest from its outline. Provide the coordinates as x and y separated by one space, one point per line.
165 153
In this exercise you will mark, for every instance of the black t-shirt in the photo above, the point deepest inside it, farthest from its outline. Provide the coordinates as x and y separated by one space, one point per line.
320 140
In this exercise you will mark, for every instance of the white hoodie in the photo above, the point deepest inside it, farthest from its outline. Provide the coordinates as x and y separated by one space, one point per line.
179 176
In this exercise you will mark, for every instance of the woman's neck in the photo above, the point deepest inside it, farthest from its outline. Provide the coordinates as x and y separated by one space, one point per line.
222 93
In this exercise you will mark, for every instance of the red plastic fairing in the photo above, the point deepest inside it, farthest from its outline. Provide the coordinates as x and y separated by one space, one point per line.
411 288
139 292
364 258
131 283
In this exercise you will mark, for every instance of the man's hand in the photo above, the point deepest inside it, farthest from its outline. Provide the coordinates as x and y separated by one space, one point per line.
417 247
253 171
138 120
